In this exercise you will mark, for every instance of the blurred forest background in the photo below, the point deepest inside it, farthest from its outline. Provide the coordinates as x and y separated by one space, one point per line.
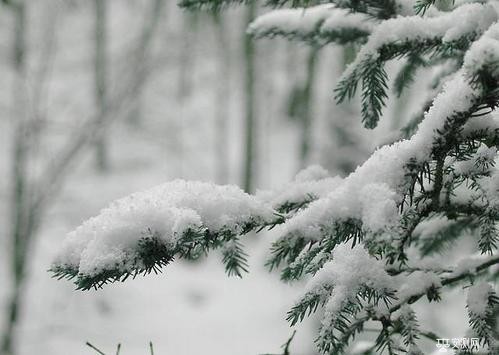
102 98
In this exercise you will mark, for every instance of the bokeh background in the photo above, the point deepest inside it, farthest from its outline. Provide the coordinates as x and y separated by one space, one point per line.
101 98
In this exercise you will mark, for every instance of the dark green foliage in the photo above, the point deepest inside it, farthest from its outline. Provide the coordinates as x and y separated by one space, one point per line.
285 250
379 9
488 234
220 4
152 254
215 5
422 6
306 306
373 76
318 37
374 85
292 3
308 255
234 258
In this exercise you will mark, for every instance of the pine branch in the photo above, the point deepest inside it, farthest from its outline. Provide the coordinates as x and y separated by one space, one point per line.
374 85
213 5
317 25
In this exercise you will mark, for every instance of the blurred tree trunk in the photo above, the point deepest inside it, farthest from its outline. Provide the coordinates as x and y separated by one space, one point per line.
100 80
20 229
306 110
185 80
222 100
249 139
186 65
142 53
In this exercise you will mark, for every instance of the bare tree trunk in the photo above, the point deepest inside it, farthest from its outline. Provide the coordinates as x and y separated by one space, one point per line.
249 139
222 101
20 230
306 110
142 53
100 80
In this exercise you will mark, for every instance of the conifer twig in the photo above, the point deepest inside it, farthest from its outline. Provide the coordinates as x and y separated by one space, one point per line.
95 348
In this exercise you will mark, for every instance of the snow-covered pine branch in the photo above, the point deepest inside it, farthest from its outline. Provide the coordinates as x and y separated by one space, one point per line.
318 25
209 4
146 230
362 241
439 37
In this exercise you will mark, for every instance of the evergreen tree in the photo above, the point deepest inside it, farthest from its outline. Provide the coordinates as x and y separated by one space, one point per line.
362 241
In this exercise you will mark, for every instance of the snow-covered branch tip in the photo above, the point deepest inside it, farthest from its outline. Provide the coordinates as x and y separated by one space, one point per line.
318 25
145 231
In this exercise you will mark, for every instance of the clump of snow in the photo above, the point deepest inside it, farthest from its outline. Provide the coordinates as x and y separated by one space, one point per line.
478 298
348 271
379 207
484 51
165 212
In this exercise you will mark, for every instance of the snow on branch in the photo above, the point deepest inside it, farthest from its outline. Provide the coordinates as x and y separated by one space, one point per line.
146 230
320 25
483 56
367 204
413 35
